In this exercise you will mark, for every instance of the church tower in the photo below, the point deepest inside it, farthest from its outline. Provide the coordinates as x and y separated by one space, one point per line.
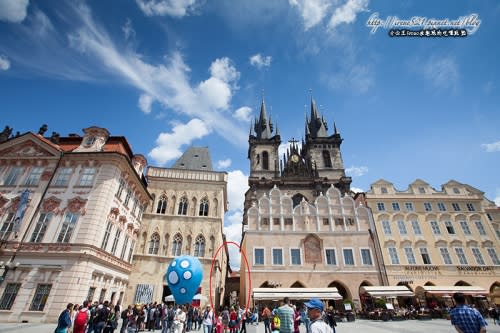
263 148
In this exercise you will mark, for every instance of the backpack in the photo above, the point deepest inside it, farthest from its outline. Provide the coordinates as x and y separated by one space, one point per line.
171 315
225 316
81 318
124 314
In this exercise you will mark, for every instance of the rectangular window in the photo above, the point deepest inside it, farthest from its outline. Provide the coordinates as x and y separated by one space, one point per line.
326 221
480 228
416 227
107 233
131 251
410 256
102 295
380 206
465 227
9 295
128 196
456 190
445 255
424 253
116 240
339 221
7 227
349 221
348 257
428 206
265 221
393 253
87 178
295 257
121 187
331 259
462 259
455 206
470 207
489 217
435 228
478 256
402 227
383 190
41 227
276 221
409 206
277 256
63 177
90 294
67 228
395 206
493 255
124 247
421 190
136 204
41 295
441 207
366 257
34 177
387 227
12 176
449 227
288 221
258 257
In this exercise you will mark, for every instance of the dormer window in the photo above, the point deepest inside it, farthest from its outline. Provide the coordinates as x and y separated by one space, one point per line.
89 141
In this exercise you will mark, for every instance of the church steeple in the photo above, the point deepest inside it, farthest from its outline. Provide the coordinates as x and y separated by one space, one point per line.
316 127
263 125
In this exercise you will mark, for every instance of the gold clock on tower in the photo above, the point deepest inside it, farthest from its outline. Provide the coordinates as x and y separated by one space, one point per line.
295 158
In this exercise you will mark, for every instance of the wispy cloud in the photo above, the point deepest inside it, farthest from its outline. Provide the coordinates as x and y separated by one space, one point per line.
169 144
443 72
4 63
244 114
347 13
128 30
491 147
145 102
312 11
13 10
224 164
356 171
357 190
497 198
260 61
174 8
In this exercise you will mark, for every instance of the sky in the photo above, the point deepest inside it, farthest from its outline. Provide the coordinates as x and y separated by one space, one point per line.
169 74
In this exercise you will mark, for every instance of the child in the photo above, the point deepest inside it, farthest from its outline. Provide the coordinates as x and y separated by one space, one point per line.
219 326
275 324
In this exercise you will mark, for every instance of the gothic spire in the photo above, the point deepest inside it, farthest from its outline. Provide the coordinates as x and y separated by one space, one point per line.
263 126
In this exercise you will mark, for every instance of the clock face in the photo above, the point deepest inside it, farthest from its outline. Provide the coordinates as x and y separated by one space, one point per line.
295 158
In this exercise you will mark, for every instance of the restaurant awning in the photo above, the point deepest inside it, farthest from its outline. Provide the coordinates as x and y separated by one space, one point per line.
387 291
295 293
450 290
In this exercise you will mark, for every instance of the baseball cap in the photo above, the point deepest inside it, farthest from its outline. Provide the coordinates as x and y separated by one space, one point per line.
314 303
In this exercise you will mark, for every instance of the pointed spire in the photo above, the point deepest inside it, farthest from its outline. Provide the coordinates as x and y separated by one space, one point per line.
335 128
263 125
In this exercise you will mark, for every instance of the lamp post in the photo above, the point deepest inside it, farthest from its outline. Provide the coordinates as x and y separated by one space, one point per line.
5 267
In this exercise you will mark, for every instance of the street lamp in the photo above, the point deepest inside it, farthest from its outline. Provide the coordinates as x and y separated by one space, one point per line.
5 267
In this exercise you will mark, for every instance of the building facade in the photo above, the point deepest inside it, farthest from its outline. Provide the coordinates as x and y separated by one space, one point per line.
70 214
301 227
435 240
186 218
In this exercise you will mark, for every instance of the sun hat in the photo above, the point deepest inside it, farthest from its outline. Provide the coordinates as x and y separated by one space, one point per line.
314 303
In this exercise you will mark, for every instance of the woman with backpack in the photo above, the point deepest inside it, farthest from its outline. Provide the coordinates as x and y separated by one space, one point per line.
82 318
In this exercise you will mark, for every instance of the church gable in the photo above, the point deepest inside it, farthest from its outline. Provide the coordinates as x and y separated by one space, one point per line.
28 146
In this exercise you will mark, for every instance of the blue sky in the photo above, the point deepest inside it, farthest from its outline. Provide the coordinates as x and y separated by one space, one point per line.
172 73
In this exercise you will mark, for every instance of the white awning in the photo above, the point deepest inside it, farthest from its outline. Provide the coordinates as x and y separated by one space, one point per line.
295 293
450 290
385 291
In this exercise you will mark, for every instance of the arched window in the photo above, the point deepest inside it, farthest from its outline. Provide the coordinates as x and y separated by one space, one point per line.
177 245
265 160
183 207
199 246
162 205
203 207
154 244
327 159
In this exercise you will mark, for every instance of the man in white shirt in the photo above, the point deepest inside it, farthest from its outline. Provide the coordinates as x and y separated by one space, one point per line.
315 313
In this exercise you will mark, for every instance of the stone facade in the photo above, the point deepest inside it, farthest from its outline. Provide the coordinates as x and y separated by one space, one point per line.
76 231
430 237
186 218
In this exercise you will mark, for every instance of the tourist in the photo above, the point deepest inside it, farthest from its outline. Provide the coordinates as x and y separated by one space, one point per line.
266 317
286 314
314 312
208 319
466 319
64 321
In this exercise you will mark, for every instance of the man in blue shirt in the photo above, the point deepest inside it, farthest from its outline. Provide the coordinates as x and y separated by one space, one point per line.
466 319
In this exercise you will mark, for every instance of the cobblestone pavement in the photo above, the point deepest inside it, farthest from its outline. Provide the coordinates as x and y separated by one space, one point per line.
410 326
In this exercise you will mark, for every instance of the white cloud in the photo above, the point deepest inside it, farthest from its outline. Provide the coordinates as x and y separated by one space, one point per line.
224 164
244 114
237 185
233 234
355 171
128 30
357 190
347 13
13 10
357 78
4 63
491 147
169 144
442 72
312 11
497 199
174 8
260 61
224 70
284 147
145 102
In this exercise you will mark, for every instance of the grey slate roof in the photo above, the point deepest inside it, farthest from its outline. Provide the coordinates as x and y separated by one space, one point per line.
195 158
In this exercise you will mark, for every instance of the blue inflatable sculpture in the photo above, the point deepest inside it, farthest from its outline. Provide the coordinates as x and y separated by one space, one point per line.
184 275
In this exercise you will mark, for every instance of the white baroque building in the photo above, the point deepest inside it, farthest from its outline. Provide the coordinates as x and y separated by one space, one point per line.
70 214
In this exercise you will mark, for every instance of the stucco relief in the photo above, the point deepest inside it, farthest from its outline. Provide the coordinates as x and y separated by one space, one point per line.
312 249
51 204
77 205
